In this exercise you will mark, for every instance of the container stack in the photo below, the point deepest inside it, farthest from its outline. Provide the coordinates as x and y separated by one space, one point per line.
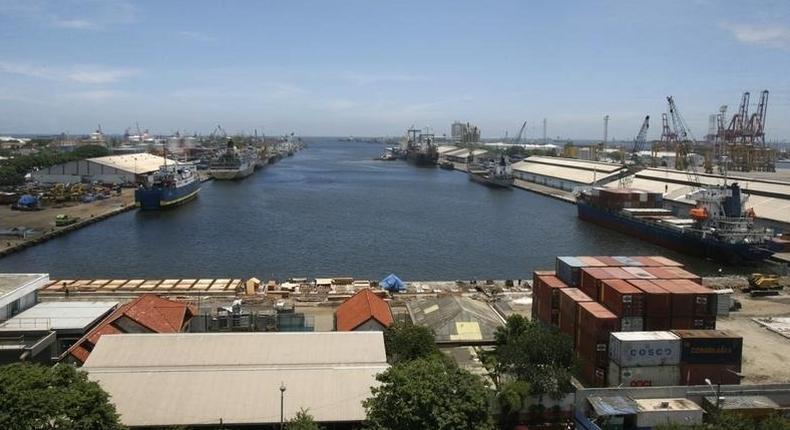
714 355
590 298
644 359
625 198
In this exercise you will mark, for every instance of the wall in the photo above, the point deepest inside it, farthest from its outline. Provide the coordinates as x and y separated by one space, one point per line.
370 325
76 171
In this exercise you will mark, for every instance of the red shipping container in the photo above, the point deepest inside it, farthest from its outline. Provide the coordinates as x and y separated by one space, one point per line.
682 298
665 261
589 280
592 349
693 323
609 261
597 321
648 261
591 262
658 301
569 299
705 299
695 374
638 273
673 273
550 288
658 324
622 298
592 375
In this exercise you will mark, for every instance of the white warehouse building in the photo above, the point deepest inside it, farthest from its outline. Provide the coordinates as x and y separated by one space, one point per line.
565 173
112 169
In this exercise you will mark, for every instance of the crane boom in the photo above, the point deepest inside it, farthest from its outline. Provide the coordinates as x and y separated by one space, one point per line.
517 139
685 143
641 137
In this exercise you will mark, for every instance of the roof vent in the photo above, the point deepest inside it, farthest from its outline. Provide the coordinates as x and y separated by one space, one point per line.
664 405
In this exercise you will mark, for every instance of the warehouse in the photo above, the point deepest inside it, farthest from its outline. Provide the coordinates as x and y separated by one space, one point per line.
112 169
565 173
18 291
456 320
236 379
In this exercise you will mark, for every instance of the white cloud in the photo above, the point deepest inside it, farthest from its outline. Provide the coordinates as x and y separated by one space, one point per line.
72 15
77 24
776 36
83 74
96 95
373 78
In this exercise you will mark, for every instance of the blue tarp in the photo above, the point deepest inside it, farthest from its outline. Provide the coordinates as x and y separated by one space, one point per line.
392 283
27 200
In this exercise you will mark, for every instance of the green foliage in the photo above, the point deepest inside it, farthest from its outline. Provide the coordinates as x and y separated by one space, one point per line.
60 397
428 394
302 421
541 356
510 401
732 421
12 172
406 341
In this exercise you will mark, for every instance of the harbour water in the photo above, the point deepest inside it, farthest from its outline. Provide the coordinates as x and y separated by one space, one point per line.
333 210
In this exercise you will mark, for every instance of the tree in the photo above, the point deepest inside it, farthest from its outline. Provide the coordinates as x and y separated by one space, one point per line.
733 421
541 356
405 341
510 401
61 397
430 394
302 421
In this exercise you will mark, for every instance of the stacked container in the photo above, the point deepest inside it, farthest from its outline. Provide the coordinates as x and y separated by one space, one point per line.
546 298
626 301
644 359
569 310
693 306
594 326
658 305
709 354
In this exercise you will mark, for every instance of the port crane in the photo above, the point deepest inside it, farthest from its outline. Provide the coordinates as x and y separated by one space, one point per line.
517 139
685 143
635 164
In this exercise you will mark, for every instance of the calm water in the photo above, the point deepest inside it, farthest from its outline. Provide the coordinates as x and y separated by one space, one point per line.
332 210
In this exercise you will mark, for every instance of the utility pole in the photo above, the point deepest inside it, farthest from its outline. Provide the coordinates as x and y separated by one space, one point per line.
544 132
282 403
605 129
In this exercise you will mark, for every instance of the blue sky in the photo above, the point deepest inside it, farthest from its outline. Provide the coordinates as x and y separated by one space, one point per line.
376 67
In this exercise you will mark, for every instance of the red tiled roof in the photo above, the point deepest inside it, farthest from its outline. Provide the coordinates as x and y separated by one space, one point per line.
360 308
156 314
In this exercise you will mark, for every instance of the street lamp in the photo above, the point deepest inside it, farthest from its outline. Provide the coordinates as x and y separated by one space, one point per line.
282 400
716 392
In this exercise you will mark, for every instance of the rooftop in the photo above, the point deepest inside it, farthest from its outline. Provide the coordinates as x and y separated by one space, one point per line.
571 170
456 319
679 404
360 308
10 282
139 163
60 316
162 380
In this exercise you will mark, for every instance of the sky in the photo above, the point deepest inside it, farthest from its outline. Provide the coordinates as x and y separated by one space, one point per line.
365 67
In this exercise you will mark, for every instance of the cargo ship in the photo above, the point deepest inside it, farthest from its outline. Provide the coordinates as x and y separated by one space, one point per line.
420 149
719 227
232 164
171 185
497 174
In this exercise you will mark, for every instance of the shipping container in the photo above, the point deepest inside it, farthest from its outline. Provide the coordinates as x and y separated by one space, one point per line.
648 261
688 298
591 262
593 350
723 302
622 298
669 272
665 261
569 270
639 273
569 299
658 301
649 376
693 323
627 261
609 261
696 374
646 348
592 374
596 320
710 347
658 323
550 288
632 324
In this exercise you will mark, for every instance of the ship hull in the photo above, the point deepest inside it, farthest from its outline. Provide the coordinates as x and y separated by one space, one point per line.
422 159
685 242
161 198
491 182
232 174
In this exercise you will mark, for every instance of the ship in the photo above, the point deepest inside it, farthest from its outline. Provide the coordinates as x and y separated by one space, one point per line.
171 185
232 163
420 148
718 226
497 174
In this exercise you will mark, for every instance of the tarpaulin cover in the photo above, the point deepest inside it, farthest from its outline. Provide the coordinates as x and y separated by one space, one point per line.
392 283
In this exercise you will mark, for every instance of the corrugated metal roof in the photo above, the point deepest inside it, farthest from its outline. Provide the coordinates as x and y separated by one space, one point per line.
567 173
237 349
60 315
192 379
455 318
360 308
613 405
10 282
139 163
747 184
576 163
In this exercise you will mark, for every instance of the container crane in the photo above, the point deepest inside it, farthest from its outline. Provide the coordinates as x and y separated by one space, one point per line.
640 140
685 143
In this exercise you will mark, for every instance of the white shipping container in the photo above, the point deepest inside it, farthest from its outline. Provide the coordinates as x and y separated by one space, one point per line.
652 376
632 323
644 348
723 302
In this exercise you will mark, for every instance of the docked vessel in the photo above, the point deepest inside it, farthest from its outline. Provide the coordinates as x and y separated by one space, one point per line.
420 149
232 164
496 174
171 185
718 228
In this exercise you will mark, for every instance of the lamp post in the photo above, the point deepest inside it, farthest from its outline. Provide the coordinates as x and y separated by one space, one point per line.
282 403
716 392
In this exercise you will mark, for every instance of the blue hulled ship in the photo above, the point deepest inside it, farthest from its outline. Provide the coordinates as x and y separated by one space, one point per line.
718 228
170 186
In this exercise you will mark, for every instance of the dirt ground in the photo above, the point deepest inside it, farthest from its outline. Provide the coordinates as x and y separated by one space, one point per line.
44 220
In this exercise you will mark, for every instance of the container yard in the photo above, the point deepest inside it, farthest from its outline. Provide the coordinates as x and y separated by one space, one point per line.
637 321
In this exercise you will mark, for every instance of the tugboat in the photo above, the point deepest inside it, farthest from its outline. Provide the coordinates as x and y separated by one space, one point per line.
718 228
496 174
232 164
420 149
171 185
